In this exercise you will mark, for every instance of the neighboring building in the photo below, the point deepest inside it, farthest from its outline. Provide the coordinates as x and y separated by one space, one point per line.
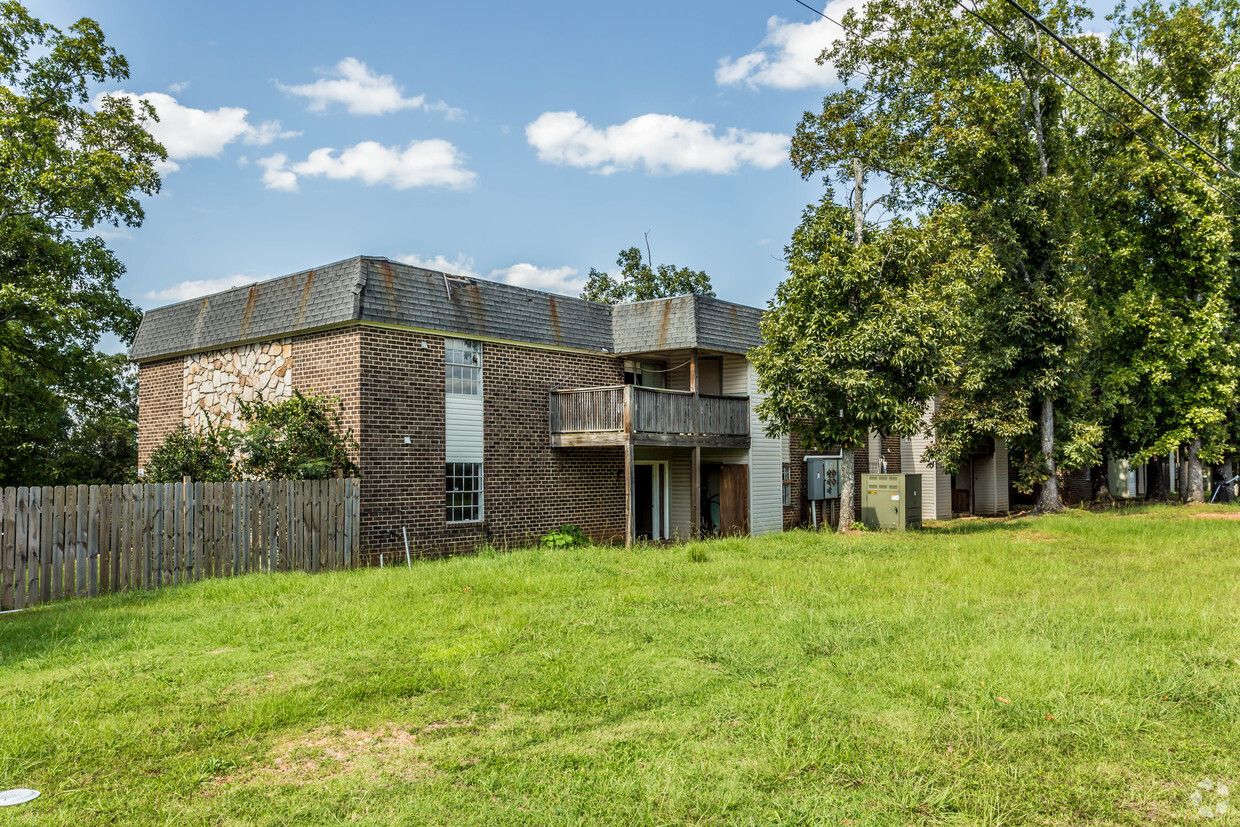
485 412
980 486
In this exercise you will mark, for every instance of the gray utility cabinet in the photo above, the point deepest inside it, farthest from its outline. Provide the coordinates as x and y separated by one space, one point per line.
891 501
822 478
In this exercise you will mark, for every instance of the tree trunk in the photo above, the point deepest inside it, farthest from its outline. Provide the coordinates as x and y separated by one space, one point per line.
858 202
1195 493
1101 482
848 486
848 468
1226 473
1156 484
1049 500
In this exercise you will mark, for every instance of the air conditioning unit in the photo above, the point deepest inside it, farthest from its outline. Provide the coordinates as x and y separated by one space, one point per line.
891 501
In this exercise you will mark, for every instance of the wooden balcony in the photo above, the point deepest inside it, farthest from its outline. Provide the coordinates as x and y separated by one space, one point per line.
629 414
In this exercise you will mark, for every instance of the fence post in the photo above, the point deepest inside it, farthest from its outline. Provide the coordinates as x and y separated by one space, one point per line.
196 543
34 521
45 545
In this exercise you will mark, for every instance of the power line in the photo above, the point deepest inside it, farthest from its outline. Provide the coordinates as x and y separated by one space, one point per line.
994 28
1058 77
829 19
1121 87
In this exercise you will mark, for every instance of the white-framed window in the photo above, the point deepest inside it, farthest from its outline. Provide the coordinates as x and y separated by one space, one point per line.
464 492
787 478
463 366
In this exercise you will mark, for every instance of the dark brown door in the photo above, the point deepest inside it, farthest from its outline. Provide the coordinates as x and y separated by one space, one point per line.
733 499
643 501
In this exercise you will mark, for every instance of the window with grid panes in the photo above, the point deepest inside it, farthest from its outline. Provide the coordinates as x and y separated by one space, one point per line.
463 366
787 480
464 492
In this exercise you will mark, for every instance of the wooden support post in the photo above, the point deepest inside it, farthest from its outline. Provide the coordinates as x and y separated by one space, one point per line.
697 404
630 484
695 493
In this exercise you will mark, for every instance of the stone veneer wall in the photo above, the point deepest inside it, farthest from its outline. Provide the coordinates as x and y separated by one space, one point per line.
216 380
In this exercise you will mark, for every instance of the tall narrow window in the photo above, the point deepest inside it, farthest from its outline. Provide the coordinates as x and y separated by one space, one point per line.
787 484
464 490
463 366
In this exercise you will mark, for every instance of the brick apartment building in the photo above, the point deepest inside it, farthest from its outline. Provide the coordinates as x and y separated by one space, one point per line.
488 412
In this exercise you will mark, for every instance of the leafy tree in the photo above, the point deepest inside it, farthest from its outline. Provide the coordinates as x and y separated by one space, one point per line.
1170 269
638 281
961 123
301 438
100 445
65 168
860 337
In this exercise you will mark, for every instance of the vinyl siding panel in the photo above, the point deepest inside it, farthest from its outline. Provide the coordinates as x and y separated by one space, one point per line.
680 495
1001 477
984 498
677 376
462 428
766 509
936 494
736 378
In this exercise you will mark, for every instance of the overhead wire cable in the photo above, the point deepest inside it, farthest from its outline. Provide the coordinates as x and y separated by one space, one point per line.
1019 46
1121 87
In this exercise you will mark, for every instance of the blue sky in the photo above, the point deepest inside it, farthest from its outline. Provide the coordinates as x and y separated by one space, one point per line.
521 142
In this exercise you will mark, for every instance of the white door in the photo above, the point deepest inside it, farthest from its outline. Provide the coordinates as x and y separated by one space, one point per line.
659 502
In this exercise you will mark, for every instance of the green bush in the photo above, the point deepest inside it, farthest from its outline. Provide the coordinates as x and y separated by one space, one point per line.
566 536
203 456
301 438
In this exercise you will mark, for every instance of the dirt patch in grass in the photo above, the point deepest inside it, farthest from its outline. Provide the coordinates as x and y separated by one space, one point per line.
328 753
1226 515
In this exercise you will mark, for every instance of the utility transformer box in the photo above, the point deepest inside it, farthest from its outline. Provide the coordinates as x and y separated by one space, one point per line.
891 501
822 478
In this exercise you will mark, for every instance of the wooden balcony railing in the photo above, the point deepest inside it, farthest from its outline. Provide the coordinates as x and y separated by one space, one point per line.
630 409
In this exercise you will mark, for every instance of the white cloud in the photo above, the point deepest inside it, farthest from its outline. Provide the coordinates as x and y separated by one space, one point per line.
786 57
194 288
199 133
179 87
363 92
430 163
661 143
562 280
275 174
462 265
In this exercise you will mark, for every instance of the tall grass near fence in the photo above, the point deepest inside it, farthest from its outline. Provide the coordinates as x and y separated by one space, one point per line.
78 541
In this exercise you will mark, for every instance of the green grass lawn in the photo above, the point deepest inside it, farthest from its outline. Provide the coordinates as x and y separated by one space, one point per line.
1080 669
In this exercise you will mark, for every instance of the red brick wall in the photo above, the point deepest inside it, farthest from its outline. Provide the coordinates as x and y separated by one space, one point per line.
329 364
161 405
1076 486
797 514
528 488
891 453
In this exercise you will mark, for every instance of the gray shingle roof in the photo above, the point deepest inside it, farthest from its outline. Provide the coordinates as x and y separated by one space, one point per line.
371 289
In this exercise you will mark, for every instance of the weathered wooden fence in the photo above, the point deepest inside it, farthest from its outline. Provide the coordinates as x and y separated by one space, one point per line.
77 541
